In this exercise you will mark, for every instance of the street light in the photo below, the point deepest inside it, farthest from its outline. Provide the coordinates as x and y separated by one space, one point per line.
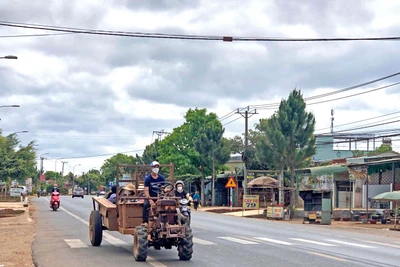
20 132
9 57
55 165
41 163
10 106
73 176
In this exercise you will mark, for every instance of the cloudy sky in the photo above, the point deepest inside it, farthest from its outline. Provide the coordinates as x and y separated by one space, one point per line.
87 95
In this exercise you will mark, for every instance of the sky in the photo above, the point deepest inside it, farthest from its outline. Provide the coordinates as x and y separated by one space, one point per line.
82 96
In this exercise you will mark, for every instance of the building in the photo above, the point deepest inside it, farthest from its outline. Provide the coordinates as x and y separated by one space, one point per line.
338 145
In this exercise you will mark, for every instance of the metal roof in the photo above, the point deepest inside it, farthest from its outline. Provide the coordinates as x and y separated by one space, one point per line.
335 168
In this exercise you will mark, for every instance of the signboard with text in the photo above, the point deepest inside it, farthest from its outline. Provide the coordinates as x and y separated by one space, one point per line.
251 202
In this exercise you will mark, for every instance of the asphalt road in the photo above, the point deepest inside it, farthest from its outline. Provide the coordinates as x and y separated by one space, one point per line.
62 239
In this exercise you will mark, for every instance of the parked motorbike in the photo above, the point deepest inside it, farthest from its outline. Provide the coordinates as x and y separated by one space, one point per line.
184 211
55 201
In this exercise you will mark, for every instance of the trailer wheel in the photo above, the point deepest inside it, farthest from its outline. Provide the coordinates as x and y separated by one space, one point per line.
185 248
95 228
140 243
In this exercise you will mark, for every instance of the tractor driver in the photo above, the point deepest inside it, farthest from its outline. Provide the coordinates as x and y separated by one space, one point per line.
148 191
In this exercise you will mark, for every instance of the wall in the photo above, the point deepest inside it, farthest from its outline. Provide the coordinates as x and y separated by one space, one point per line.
325 151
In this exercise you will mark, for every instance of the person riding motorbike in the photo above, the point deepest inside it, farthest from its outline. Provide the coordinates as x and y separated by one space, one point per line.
38 192
55 188
55 195
179 191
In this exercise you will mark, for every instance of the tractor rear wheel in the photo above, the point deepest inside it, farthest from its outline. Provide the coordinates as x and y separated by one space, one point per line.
140 243
95 228
185 248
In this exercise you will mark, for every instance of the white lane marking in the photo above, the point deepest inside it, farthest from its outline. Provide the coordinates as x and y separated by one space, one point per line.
313 242
237 240
115 241
202 242
274 241
379 243
75 243
327 256
348 243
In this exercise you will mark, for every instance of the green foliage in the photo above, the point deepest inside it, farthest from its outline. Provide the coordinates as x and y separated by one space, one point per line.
151 152
109 168
288 136
357 153
382 149
51 175
16 161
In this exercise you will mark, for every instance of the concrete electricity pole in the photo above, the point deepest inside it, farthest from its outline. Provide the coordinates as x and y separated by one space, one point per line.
247 113
62 171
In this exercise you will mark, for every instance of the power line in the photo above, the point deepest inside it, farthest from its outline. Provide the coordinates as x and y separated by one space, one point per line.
34 35
364 127
331 93
103 155
343 97
353 122
231 121
189 36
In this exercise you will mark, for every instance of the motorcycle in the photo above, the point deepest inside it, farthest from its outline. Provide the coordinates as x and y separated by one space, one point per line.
38 194
55 201
184 211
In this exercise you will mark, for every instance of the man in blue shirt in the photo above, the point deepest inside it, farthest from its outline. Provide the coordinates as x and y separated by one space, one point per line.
154 177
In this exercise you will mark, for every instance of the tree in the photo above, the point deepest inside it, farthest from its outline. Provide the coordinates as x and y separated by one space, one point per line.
109 168
212 148
51 175
151 152
381 149
289 136
16 161
180 147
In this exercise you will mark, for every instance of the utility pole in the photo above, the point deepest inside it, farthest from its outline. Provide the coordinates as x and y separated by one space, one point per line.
159 134
332 118
62 171
247 113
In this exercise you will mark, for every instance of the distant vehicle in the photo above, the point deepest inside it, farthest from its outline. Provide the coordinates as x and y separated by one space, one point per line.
78 192
16 191
101 193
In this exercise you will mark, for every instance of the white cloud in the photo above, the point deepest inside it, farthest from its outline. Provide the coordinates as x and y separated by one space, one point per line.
91 95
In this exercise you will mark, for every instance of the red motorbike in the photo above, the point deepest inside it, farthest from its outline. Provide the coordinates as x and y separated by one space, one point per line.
55 201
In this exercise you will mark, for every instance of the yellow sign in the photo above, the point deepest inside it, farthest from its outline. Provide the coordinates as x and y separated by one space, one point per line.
251 202
269 212
312 216
231 183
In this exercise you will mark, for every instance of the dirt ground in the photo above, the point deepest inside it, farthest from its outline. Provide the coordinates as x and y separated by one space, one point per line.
16 235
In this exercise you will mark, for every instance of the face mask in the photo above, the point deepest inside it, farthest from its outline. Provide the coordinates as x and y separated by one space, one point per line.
156 170
179 188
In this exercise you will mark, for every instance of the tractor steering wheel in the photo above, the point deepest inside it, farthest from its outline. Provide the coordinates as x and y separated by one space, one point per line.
162 187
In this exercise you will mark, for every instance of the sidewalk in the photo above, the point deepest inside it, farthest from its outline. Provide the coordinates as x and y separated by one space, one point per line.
16 234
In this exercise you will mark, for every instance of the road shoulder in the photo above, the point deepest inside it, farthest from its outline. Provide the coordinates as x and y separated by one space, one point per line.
16 236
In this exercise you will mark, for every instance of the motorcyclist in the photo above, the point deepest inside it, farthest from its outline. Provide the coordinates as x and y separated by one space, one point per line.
55 188
38 192
179 191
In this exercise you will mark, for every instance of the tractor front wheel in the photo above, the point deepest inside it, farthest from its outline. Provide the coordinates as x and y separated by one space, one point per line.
185 248
140 243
